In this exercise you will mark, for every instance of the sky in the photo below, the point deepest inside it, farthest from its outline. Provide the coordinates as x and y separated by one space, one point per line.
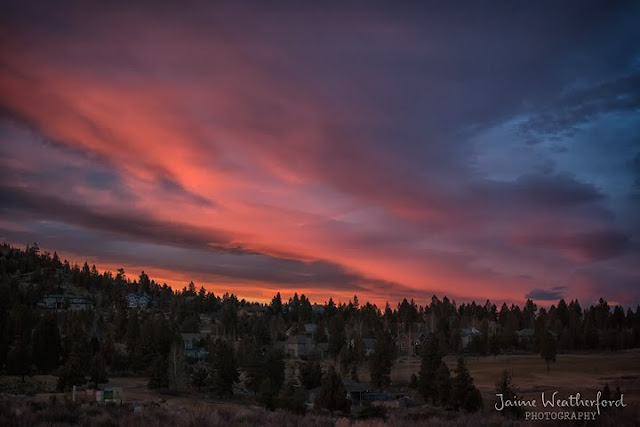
385 149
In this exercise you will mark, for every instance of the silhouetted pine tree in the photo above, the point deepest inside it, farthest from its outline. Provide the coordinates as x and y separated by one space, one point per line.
332 394
505 387
465 395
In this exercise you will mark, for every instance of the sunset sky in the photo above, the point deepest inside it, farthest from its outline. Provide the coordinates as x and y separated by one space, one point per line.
332 148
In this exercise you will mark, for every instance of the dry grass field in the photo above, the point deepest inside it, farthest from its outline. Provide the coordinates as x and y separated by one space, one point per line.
584 373
570 373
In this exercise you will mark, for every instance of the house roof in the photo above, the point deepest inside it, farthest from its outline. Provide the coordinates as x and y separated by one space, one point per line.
310 327
527 332
369 343
355 387
465 332
192 336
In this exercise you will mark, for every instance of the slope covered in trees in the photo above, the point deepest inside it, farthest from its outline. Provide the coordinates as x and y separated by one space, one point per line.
106 324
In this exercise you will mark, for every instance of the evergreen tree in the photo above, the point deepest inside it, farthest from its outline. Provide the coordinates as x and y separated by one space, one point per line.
465 395
266 395
505 387
548 348
200 374
159 373
133 333
292 399
494 345
311 371
337 336
606 392
276 304
46 344
320 335
413 383
617 395
224 367
71 373
429 366
272 378
19 358
381 361
443 385
274 369
352 356
253 365
332 394
98 370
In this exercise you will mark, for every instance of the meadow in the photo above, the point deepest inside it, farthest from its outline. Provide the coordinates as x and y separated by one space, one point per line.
570 373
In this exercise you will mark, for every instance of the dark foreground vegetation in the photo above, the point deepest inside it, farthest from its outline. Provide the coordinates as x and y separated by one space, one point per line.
85 327
20 412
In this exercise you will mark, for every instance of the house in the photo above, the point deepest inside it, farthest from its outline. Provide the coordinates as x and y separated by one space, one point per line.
192 348
298 346
77 302
310 329
252 310
405 345
198 353
322 348
369 346
317 308
418 340
356 392
527 337
138 301
467 335
191 339
64 302
292 331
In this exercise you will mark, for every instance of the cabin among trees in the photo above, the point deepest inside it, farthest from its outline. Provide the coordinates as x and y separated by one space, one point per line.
65 302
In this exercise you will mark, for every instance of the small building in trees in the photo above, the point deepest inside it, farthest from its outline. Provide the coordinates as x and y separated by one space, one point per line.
299 346
192 347
369 346
467 335
138 301
526 337
356 392
65 302
405 345
310 329
291 331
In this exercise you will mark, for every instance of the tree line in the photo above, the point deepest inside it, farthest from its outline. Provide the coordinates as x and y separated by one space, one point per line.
246 348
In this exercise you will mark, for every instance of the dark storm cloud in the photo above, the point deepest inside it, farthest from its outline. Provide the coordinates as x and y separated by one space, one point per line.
553 191
126 237
533 192
587 246
129 225
554 294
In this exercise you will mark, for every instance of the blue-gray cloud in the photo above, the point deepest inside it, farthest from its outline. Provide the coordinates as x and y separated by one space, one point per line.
554 294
